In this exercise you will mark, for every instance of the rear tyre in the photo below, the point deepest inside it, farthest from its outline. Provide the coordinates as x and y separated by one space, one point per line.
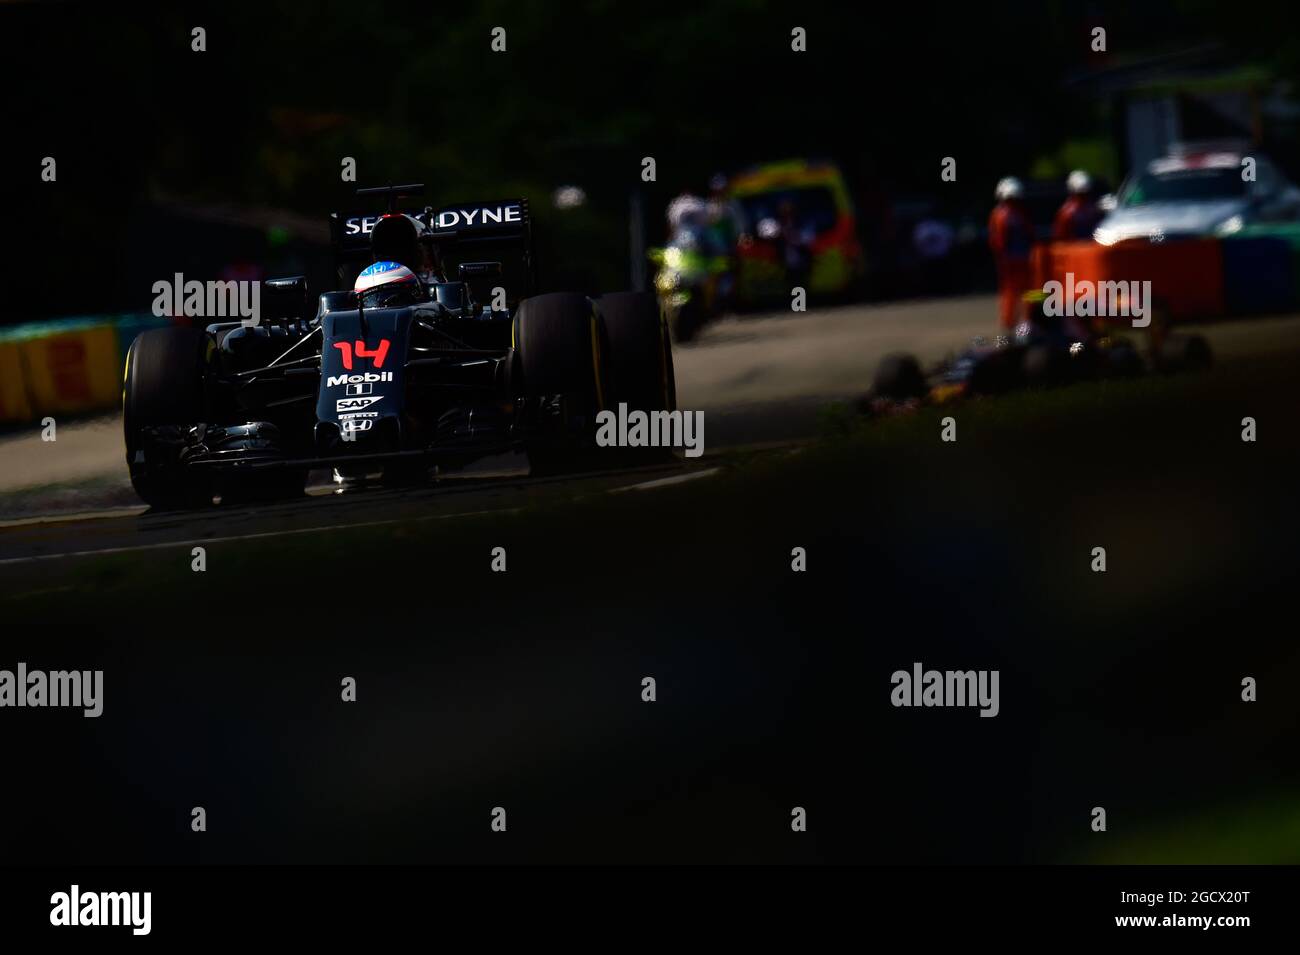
164 389
686 320
1123 361
998 372
899 377
1045 366
1185 353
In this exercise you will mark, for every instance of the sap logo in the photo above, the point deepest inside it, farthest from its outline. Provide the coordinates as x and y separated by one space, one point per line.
360 225
354 404
450 218
335 380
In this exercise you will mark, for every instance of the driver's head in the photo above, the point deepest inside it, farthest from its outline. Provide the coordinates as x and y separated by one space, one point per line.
388 285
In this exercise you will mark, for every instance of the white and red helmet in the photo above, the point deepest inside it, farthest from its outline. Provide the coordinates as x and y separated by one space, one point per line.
383 273
387 285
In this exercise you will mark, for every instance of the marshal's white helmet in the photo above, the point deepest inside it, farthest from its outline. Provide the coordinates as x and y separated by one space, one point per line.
686 211
1008 188
1078 182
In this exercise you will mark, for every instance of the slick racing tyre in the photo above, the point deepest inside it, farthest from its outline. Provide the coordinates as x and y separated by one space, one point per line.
1122 360
1045 366
640 353
899 377
640 363
686 320
562 350
560 342
998 372
1185 353
162 395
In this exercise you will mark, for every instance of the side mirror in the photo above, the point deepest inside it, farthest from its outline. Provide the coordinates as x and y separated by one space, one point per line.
480 278
453 295
285 299
339 301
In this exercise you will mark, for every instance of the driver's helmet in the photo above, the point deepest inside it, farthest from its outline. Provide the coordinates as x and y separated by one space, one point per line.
387 285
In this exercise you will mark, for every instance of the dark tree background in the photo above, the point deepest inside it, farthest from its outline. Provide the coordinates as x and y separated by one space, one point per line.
144 129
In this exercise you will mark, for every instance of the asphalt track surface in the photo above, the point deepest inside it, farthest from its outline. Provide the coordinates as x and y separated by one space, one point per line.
761 382
481 690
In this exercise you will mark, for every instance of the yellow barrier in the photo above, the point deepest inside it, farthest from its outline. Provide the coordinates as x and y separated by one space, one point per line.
14 405
73 371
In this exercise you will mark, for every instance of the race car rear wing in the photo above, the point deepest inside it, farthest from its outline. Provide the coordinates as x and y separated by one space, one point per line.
499 229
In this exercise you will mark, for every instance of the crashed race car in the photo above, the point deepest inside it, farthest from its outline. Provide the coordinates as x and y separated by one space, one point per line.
1044 351
429 356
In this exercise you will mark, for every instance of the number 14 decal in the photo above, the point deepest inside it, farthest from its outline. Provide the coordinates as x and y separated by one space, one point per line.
362 351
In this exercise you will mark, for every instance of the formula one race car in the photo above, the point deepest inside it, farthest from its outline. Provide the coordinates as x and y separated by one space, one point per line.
400 370
1044 351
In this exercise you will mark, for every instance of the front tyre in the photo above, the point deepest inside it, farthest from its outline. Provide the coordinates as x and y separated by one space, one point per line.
163 395
640 362
562 349
641 354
